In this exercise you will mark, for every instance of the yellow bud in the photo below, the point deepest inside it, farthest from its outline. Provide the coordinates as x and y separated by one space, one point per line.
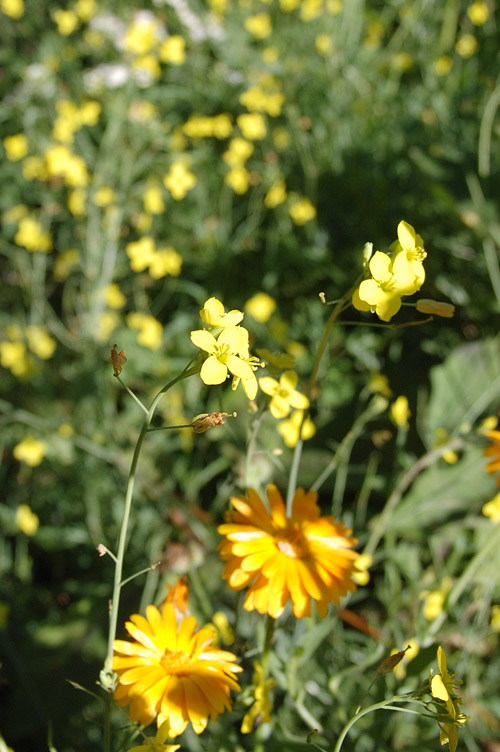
436 308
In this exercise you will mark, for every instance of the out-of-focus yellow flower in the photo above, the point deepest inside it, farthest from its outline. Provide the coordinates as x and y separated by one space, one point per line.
266 97
12 8
361 575
238 153
410 653
434 599
260 712
495 618
224 629
158 742
276 194
13 357
261 307
31 451
153 199
26 520
467 45
149 65
40 342
67 21
289 429
252 126
492 509
442 437
150 330
61 162
179 181
302 211
218 7
379 384
142 222
442 66
104 197
478 12
65 430
270 55
238 178
141 253
302 557
16 147
77 202
324 44
14 214
287 6
142 35
488 424
85 9
141 112
89 113
374 34
311 9
30 235
173 50
166 261
283 394
333 7
65 263
114 297
108 321
400 412
34 169
259 25
214 316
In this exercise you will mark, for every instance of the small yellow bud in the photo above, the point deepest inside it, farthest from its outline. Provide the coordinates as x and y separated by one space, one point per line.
436 308
204 421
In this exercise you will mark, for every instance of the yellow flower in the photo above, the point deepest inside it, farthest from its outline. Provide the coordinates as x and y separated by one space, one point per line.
276 194
108 321
31 451
443 65
213 315
158 742
495 618
302 211
361 575
13 215
238 178
434 599
171 673
40 342
67 21
224 356
259 25
409 254
104 197
153 199
77 202
31 236
304 557
141 253
114 297
173 50
26 520
12 8
252 126
478 12
34 169
467 45
379 384
141 36
16 147
165 261
311 9
260 712
179 181
324 44
444 688
287 6
85 9
261 307
65 430
283 394
400 412
65 263
150 330
238 152
492 509
411 652
493 451
289 429
13 357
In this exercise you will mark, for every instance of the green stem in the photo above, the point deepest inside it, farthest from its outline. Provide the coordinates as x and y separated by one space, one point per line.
134 397
385 705
264 662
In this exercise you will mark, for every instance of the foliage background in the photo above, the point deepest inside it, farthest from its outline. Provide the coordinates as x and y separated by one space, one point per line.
386 114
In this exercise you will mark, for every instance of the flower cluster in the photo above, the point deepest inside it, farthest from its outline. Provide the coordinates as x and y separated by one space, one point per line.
392 276
227 345
302 558
444 688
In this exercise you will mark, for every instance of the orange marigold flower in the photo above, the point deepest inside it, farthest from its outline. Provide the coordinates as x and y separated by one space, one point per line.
171 673
493 451
303 557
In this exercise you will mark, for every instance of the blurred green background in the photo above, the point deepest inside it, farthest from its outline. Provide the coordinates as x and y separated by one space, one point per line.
159 154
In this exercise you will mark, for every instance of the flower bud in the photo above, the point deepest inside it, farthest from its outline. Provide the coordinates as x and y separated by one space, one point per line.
204 421
436 308
117 360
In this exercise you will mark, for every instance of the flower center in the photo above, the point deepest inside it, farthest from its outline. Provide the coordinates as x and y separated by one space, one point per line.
291 542
222 353
174 662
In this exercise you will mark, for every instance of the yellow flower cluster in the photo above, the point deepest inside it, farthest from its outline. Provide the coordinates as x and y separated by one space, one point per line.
30 451
444 689
179 180
147 43
260 712
392 276
71 118
159 262
266 96
30 235
227 345
12 8
14 351
219 126
150 330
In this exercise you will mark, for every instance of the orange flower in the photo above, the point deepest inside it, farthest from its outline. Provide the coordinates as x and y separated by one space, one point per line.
171 673
493 451
303 557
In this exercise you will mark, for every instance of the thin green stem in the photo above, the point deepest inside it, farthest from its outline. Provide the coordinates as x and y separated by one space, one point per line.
251 444
264 662
385 705
138 574
134 397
